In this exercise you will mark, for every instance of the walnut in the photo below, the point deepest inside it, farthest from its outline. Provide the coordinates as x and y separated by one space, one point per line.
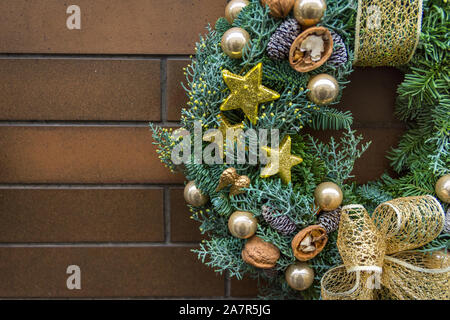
279 8
314 45
309 242
260 254
311 49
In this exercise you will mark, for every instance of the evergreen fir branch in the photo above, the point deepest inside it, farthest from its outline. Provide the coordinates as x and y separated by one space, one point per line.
223 254
329 118
340 157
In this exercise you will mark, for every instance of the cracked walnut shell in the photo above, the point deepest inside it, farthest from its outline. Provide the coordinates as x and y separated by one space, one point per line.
304 57
260 254
309 242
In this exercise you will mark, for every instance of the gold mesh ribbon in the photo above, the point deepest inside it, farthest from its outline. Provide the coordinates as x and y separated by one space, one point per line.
377 253
387 31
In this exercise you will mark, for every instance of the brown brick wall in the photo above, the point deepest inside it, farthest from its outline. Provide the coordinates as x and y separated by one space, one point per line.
80 182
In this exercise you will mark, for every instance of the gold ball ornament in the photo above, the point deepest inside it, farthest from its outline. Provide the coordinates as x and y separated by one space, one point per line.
323 89
443 188
234 41
242 224
299 276
328 196
309 12
233 8
194 196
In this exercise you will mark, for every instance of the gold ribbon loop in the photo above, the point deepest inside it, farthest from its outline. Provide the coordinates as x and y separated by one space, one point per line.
387 31
372 249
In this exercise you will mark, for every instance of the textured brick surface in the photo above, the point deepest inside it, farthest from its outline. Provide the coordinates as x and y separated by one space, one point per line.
245 288
117 26
81 215
79 89
80 155
106 272
182 228
371 95
176 96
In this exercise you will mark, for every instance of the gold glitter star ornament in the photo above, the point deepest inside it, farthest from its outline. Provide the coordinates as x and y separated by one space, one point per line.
280 161
247 92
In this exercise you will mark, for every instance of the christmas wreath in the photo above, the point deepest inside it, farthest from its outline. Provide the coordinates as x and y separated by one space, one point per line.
288 213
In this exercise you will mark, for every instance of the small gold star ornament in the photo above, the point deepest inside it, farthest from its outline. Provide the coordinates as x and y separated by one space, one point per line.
280 161
225 125
247 92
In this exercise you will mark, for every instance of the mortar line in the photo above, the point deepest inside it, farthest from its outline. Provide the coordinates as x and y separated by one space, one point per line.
149 186
163 123
57 123
98 244
89 56
227 285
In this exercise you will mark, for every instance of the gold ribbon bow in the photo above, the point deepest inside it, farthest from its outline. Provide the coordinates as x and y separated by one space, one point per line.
377 263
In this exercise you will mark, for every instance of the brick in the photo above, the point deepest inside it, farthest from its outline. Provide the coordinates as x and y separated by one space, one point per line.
81 215
371 94
183 229
245 288
373 162
80 155
80 89
106 272
112 27
176 96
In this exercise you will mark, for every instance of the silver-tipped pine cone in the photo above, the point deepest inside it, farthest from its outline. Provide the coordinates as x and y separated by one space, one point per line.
329 220
282 223
281 40
339 55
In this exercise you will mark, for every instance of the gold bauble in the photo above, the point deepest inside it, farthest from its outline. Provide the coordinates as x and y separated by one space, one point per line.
193 195
309 12
242 224
323 89
233 8
328 196
443 188
299 276
234 41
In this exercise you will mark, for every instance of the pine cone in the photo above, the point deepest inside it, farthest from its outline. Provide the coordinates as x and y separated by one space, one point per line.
447 222
281 40
329 220
283 224
339 55
279 8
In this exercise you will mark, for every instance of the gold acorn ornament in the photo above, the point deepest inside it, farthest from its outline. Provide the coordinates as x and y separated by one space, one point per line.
328 196
279 8
194 196
299 276
242 224
233 9
233 42
309 12
442 188
323 89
